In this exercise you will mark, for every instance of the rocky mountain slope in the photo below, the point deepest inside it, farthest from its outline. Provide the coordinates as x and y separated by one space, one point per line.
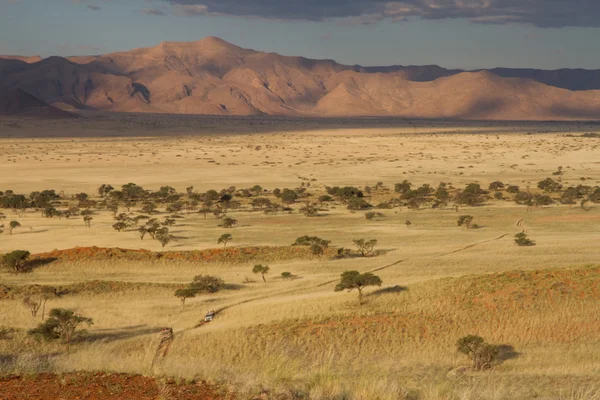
212 76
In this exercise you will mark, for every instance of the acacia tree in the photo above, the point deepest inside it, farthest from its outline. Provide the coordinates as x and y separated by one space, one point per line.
15 260
87 220
365 247
36 298
61 324
33 303
225 238
184 294
207 283
164 237
351 280
482 354
261 269
465 220
13 225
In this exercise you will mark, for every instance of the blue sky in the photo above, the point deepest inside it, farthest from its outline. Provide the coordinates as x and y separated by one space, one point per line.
467 34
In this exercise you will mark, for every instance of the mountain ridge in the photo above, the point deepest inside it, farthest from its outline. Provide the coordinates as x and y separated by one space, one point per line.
212 76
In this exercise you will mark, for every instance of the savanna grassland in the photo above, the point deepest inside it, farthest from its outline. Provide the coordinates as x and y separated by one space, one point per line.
295 337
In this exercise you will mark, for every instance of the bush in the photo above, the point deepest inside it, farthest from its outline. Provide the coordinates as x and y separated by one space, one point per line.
465 220
286 275
522 240
358 203
496 185
229 222
373 215
482 354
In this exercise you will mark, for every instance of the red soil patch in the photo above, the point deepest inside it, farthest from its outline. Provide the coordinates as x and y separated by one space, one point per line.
228 255
100 386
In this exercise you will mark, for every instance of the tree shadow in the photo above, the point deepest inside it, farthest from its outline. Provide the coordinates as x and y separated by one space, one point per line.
31 265
374 253
506 352
233 286
389 290
111 335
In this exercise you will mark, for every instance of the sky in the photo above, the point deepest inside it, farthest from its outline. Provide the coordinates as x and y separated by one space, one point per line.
467 34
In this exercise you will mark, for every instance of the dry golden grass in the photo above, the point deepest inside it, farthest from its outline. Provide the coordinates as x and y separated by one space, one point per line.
299 336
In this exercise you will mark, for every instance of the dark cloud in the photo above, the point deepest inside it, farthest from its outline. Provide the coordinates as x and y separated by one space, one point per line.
542 13
95 8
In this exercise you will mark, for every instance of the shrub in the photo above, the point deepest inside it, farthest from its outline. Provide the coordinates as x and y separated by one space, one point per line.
373 215
496 185
522 240
465 220
482 354
549 185
358 203
286 275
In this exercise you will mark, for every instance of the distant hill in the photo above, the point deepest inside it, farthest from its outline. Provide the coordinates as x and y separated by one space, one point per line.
27 59
17 102
212 76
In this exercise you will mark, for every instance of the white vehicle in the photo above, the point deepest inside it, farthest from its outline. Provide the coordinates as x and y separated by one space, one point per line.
209 316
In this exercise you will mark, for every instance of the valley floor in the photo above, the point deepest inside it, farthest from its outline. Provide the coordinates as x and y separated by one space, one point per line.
298 338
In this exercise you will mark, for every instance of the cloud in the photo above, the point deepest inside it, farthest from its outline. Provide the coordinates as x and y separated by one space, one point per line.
541 13
95 8
154 11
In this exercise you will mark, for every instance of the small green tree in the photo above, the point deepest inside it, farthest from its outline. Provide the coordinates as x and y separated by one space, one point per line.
465 220
225 238
62 324
261 269
183 294
351 280
482 354
365 247
13 225
16 260
522 240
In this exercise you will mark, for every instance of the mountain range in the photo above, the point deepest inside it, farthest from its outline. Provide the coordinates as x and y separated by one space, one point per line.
212 76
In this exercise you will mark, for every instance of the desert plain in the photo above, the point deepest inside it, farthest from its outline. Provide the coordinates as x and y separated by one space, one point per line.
297 338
